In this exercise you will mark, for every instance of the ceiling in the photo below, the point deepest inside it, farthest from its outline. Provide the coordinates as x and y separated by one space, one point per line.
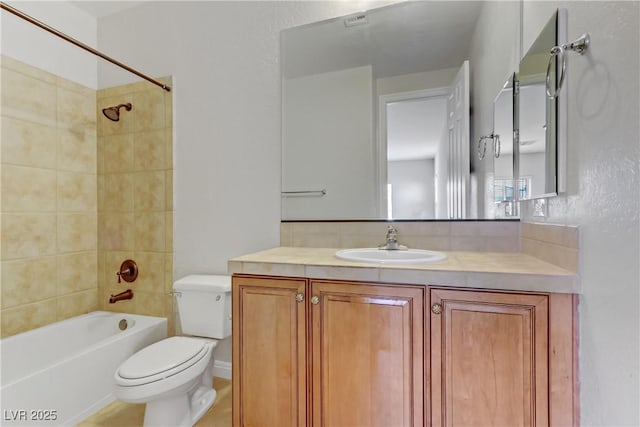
399 39
98 9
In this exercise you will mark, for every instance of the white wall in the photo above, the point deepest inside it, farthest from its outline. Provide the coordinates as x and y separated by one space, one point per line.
533 165
504 167
416 81
413 188
603 198
327 144
27 43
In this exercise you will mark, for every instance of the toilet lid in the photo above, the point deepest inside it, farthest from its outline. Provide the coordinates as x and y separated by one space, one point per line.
162 356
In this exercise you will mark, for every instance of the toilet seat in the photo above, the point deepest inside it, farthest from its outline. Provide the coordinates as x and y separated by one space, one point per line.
161 360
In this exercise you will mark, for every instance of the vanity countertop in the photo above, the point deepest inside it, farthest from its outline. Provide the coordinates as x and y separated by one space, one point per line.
489 270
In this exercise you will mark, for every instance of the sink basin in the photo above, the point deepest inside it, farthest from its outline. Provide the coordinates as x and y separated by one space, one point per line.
383 256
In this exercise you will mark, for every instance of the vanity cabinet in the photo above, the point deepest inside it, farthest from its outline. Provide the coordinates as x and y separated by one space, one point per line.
269 352
367 354
489 364
310 352
351 353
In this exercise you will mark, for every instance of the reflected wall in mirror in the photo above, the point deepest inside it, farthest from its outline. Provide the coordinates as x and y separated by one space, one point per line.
505 188
540 145
376 114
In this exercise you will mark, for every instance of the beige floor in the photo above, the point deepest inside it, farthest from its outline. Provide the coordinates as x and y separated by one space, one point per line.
120 414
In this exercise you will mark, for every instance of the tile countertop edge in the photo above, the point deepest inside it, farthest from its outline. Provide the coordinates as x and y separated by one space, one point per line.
265 263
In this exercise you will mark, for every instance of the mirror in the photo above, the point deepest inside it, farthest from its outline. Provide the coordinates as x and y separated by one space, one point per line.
540 147
371 102
504 188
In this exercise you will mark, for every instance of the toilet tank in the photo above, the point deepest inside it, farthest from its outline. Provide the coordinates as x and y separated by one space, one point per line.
204 305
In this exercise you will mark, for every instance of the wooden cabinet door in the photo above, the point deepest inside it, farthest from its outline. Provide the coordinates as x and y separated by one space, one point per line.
367 355
489 359
269 352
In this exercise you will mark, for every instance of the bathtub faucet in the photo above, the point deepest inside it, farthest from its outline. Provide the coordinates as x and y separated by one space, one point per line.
128 294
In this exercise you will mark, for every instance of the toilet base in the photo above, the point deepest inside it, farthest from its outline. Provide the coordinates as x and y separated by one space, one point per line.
201 401
180 411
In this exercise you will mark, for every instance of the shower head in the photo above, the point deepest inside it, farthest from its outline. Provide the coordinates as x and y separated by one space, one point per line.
113 113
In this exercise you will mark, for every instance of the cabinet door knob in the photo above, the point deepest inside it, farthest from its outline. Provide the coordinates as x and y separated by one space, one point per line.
299 297
436 308
315 300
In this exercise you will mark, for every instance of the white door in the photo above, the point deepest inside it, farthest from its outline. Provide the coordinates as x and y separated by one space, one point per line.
459 162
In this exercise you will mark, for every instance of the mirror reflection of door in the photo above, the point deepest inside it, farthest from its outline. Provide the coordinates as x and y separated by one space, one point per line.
424 172
416 144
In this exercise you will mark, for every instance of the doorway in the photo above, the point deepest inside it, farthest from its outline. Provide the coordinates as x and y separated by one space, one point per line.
414 170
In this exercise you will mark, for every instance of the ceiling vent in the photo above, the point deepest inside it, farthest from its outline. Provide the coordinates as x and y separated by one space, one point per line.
359 19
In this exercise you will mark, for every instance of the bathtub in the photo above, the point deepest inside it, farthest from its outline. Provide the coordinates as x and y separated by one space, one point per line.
61 373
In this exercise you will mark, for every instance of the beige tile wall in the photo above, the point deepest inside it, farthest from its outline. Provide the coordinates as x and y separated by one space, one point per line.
496 236
79 195
554 243
135 197
48 210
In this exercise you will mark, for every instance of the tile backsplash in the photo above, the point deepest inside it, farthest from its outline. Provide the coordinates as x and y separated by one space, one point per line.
493 236
556 244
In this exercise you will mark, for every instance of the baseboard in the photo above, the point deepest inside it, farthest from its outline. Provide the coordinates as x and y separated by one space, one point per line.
222 369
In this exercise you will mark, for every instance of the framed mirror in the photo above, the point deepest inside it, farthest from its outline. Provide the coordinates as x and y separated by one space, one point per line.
505 187
541 144
370 102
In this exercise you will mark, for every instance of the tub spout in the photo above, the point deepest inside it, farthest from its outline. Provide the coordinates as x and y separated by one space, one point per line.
128 294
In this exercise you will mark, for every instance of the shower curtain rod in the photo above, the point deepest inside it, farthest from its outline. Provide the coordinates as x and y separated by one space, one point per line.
81 45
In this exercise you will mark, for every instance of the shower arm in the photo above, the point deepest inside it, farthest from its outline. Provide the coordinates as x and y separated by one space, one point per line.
81 45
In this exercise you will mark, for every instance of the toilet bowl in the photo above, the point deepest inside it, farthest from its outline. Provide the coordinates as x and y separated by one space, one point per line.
174 376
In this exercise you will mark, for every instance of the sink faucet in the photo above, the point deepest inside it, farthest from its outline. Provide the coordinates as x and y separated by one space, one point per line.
392 240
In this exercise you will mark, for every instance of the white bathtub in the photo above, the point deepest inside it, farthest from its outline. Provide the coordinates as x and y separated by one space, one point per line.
61 373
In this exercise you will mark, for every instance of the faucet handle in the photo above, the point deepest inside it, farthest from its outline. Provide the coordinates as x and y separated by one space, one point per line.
128 271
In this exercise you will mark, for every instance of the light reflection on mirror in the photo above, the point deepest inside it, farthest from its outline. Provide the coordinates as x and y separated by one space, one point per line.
348 91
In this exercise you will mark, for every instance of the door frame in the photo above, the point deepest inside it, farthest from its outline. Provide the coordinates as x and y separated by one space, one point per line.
380 161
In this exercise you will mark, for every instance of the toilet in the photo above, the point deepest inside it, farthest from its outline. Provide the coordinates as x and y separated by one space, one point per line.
174 376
